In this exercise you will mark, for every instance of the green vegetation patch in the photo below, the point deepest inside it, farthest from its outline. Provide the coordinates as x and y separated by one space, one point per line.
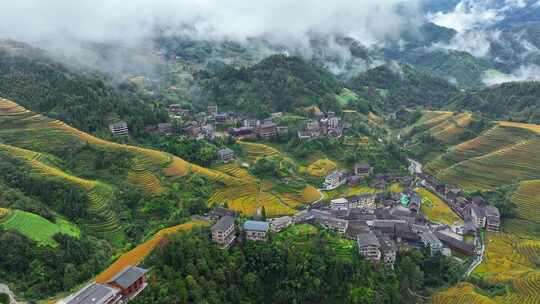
38 228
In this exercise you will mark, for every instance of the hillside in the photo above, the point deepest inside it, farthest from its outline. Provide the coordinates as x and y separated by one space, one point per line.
80 97
502 159
402 86
277 83
515 101
35 227
148 170
436 131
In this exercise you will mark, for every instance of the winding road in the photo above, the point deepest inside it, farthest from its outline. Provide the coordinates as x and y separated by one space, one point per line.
5 289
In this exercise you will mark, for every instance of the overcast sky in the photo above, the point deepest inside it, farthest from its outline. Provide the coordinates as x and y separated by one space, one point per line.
368 20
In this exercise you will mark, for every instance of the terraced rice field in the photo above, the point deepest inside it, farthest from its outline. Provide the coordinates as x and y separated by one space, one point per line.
321 167
462 293
527 200
36 227
137 254
45 133
106 222
502 259
430 119
500 156
233 169
248 199
254 150
449 130
141 176
527 289
100 195
3 213
436 210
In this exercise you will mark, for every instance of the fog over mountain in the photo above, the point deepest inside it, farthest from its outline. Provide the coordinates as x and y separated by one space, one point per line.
380 30
369 21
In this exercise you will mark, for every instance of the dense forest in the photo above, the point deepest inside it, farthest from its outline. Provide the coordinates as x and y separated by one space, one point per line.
40 271
296 269
516 101
277 83
85 99
397 85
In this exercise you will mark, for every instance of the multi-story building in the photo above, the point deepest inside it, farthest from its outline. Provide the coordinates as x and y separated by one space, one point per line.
334 180
478 214
493 218
223 232
431 241
119 128
388 250
266 130
256 230
212 110
131 281
225 155
251 123
280 223
362 169
339 204
369 246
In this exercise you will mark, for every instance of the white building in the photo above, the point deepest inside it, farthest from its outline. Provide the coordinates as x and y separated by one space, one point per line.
256 230
334 180
119 128
280 223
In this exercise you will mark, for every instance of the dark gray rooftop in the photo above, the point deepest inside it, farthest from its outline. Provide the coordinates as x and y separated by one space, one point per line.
225 151
367 239
93 294
492 211
256 226
223 224
431 239
128 276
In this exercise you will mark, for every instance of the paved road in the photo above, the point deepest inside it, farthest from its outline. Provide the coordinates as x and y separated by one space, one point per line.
479 259
5 289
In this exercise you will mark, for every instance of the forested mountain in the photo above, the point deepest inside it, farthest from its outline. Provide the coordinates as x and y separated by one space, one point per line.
277 83
86 99
518 101
402 85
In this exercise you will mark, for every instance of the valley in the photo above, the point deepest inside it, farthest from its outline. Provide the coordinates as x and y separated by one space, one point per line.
372 152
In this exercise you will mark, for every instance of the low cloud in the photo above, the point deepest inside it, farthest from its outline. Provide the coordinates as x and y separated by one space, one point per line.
467 15
283 20
523 73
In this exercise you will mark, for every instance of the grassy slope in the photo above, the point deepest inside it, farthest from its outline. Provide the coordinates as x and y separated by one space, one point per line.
435 209
36 227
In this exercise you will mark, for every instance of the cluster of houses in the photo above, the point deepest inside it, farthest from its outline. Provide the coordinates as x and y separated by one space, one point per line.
122 288
203 125
338 178
224 230
382 224
476 211
322 125
378 224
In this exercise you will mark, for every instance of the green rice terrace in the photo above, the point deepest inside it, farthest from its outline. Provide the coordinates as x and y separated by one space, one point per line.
36 227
